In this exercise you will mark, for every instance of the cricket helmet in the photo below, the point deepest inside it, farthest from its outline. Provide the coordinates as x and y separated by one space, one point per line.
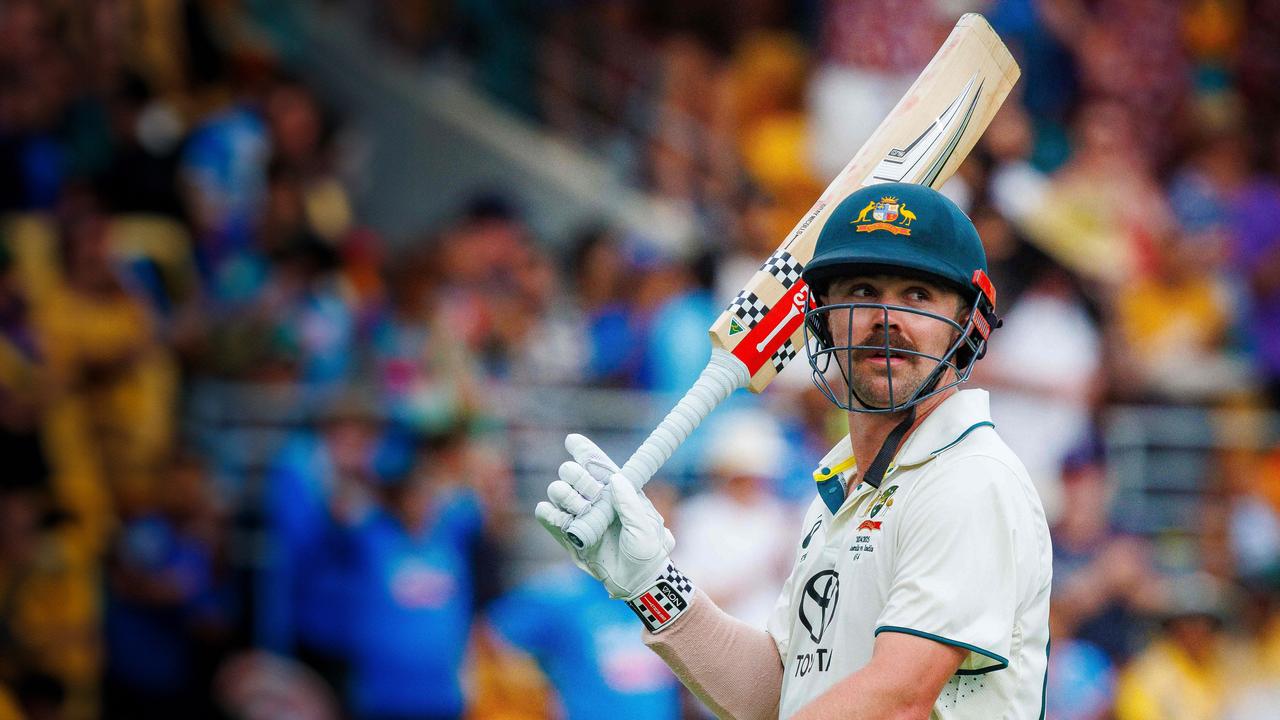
905 230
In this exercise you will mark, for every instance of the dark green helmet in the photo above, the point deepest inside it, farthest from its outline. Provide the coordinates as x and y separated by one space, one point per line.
896 227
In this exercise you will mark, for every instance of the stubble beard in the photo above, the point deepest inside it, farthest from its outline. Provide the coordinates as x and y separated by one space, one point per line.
871 388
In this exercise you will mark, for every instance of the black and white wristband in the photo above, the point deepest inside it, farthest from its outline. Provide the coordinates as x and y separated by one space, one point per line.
664 601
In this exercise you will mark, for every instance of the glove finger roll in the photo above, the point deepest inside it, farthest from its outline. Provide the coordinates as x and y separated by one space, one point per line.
591 523
552 518
563 496
580 480
590 456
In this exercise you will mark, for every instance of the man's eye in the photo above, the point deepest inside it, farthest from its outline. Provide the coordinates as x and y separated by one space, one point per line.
862 291
918 295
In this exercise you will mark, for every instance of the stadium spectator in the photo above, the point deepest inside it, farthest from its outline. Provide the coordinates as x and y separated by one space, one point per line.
23 387
1146 74
1174 323
50 642
427 381
166 606
1251 484
1105 580
33 153
1081 681
1183 674
535 335
414 569
223 176
104 349
308 306
1044 374
1016 185
737 535
1041 36
861 75
1256 257
600 269
673 308
764 93
306 596
496 294
1103 208
587 645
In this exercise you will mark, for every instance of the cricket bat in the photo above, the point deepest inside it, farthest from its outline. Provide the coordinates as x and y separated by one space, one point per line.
923 140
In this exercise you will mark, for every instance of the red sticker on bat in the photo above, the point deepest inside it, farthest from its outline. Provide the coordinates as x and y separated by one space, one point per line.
770 335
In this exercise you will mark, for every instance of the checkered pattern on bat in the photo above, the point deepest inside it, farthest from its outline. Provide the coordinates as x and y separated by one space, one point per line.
784 267
783 354
749 308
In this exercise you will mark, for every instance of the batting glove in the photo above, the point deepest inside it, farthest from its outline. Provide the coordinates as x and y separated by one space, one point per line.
632 558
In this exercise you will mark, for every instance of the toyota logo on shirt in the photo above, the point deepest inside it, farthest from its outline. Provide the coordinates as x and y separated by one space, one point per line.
818 604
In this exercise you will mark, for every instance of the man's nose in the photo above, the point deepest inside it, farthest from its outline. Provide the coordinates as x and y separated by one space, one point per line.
882 318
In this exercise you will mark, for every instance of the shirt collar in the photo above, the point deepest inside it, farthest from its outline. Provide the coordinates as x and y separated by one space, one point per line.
947 425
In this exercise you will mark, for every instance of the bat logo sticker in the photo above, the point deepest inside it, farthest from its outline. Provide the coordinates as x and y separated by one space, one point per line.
797 308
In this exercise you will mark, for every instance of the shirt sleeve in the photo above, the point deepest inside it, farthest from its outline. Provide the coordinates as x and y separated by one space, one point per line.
779 624
955 580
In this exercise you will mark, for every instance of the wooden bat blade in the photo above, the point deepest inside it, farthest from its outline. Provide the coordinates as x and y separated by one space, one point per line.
923 140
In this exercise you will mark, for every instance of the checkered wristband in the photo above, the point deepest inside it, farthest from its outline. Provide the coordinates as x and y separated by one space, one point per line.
664 601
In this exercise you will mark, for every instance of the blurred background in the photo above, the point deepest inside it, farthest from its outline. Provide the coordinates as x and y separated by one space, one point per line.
298 299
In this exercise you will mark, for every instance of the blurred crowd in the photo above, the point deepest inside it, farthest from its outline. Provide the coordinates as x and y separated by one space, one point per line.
181 221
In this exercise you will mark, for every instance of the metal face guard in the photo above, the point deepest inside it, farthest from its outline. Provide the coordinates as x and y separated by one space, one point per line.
970 344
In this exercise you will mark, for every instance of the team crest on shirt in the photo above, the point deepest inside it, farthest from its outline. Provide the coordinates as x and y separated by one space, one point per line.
884 500
886 214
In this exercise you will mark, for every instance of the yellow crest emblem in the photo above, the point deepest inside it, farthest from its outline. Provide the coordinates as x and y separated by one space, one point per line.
885 214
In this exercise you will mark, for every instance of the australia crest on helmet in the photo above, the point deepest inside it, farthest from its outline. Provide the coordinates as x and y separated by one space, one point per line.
888 214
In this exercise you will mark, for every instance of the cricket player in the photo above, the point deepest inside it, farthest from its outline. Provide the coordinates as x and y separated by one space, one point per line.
920 587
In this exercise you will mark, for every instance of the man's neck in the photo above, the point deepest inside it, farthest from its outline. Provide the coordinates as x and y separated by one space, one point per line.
868 431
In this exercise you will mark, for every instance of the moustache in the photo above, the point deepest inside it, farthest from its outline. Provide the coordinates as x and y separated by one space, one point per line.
873 346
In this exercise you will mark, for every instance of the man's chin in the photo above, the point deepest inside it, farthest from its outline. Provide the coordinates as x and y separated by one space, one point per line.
877 396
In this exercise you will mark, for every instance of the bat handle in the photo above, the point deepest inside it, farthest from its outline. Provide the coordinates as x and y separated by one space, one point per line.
722 375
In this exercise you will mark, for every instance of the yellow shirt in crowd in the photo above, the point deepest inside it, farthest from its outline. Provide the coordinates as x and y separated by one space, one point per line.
1163 683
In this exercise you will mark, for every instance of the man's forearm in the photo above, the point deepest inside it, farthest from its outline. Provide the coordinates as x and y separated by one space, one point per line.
902 682
872 697
730 666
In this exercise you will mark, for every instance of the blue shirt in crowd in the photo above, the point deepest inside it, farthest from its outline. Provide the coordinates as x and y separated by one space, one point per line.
147 646
304 592
412 611
588 645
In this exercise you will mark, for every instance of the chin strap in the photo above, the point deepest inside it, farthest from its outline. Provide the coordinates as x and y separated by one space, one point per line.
875 473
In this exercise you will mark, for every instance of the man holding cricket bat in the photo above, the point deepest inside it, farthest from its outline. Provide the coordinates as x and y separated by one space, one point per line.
920 587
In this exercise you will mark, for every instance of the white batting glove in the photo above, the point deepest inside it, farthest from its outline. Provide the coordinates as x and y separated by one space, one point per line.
632 558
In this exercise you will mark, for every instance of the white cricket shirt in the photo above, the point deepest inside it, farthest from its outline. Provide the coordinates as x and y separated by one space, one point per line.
952 547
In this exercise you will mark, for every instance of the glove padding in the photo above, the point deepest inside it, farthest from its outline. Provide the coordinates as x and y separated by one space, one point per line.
634 548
